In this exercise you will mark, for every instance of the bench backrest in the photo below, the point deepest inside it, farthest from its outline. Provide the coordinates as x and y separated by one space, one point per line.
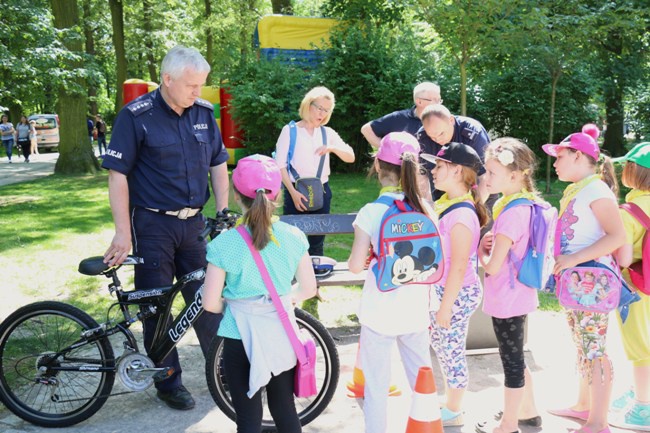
322 224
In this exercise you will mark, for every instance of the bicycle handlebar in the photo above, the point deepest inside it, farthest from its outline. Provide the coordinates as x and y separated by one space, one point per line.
214 226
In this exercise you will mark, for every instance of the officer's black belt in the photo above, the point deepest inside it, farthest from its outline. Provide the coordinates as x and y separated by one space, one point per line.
182 214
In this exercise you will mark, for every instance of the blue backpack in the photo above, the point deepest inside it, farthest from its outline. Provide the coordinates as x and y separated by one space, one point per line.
410 249
536 267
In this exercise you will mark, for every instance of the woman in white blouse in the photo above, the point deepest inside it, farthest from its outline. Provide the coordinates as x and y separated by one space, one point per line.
313 140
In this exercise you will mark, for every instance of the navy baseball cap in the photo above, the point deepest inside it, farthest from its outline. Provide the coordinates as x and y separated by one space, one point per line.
457 153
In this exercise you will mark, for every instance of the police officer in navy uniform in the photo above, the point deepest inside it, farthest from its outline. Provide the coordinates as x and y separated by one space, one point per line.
440 127
424 94
163 146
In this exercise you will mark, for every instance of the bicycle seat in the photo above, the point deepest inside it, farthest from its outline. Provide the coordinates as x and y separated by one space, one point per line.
95 265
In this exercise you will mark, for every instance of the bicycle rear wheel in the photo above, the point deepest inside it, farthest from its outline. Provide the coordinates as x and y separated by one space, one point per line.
34 343
327 375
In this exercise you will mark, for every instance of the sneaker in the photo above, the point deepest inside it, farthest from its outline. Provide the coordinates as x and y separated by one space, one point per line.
623 402
637 418
179 398
450 419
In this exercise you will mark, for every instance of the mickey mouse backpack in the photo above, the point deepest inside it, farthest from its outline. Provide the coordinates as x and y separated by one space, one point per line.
410 249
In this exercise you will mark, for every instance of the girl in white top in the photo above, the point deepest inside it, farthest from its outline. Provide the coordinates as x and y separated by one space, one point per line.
510 167
402 314
315 111
462 214
591 229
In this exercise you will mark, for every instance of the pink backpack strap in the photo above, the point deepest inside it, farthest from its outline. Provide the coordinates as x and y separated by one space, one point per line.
284 317
637 213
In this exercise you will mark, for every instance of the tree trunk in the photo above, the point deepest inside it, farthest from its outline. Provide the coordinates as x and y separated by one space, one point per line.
117 19
463 88
614 139
90 50
282 7
208 39
555 76
147 15
75 154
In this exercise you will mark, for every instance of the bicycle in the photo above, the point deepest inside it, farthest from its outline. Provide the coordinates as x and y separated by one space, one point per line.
58 368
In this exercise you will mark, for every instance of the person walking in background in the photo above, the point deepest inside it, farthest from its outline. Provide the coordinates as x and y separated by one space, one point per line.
632 409
408 120
400 315
156 192
7 130
257 351
91 131
590 228
510 169
462 214
313 142
22 137
100 126
33 139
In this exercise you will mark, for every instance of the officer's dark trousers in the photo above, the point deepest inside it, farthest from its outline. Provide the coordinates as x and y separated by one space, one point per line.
170 248
316 243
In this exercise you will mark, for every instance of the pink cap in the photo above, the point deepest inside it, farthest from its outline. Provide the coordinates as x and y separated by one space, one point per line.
394 144
257 172
584 141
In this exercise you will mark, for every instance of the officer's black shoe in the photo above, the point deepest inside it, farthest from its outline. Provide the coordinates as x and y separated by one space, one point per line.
179 398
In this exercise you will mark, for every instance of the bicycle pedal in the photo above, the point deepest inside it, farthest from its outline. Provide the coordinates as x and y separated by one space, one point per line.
163 374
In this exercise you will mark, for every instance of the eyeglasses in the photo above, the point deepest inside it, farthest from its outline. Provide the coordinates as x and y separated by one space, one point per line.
320 108
437 101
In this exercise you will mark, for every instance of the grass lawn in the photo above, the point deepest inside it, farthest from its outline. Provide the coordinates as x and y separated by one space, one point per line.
49 225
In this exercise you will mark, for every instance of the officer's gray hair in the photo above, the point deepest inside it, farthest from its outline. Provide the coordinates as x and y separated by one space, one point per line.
426 87
179 58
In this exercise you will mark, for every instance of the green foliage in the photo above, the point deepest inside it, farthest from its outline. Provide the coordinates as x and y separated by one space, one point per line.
266 95
377 12
372 71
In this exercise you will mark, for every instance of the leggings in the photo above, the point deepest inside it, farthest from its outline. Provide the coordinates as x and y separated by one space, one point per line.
510 336
449 344
279 392
26 147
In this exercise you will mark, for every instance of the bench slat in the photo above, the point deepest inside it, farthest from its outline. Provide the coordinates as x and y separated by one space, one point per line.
343 277
322 224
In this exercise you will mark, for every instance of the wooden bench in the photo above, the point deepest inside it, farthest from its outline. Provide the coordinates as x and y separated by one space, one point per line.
332 224
480 337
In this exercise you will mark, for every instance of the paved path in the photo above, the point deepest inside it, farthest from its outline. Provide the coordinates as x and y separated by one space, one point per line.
19 171
550 357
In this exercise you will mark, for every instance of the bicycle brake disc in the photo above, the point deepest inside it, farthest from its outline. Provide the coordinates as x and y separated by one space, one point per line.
136 371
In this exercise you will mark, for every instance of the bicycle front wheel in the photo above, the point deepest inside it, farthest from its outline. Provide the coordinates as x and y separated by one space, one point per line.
36 348
327 375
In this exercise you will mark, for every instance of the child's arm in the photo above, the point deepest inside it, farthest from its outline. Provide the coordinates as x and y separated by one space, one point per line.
624 255
609 218
493 263
360 246
460 253
306 280
212 289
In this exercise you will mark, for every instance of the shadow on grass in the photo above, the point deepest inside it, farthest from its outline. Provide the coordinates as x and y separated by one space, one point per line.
41 210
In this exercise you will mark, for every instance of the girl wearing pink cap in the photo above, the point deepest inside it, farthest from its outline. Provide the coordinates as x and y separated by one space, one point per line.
257 351
400 315
590 228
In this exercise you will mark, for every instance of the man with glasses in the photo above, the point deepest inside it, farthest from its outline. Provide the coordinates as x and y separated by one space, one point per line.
424 94
440 127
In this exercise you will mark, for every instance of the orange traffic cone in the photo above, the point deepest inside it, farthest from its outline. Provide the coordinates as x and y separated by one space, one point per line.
358 382
425 407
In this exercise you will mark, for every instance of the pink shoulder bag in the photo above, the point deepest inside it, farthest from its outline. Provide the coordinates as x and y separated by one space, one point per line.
303 345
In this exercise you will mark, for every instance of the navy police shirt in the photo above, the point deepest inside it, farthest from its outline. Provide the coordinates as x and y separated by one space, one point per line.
166 157
397 121
466 130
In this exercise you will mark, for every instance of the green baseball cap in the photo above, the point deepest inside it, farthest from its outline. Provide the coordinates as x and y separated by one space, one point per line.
640 154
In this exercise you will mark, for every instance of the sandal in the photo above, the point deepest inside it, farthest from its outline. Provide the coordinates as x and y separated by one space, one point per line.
535 421
570 413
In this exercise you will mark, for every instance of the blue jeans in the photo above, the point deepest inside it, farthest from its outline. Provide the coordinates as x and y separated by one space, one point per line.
101 140
9 147
316 243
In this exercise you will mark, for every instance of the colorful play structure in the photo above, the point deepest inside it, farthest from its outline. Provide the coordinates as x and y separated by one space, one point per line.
297 40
